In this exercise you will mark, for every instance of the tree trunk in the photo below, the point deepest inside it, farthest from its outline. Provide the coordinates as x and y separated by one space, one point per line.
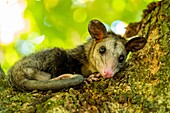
142 86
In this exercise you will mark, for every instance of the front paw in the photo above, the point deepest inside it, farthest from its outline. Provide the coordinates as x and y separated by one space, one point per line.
93 77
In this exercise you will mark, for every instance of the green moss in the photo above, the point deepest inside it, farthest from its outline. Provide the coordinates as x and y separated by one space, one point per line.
137 99
134 89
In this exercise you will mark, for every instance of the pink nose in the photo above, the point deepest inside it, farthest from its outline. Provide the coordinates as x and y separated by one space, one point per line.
108 74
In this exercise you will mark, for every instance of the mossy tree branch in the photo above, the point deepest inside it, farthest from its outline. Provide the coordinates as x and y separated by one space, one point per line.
143 85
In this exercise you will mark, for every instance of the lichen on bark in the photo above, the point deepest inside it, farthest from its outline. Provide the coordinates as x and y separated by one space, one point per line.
143 85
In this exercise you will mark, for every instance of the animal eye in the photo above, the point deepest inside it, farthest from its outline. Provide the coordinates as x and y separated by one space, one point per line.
121 58
102 49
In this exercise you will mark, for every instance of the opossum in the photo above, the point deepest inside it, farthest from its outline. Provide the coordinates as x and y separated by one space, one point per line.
104 53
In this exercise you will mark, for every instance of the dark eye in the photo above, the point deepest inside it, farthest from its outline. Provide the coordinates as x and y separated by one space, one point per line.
102 49
121 58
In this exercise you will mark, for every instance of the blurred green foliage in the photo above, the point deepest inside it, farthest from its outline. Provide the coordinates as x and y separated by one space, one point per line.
63 23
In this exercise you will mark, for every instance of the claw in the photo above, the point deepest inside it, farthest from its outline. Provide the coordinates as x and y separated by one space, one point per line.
93 77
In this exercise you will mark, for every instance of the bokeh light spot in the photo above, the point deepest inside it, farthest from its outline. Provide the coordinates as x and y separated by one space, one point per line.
79 15
35 38
118 27
80 3
11 20
25 47
49 4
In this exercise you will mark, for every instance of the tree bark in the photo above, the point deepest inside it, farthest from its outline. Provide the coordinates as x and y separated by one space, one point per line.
142 86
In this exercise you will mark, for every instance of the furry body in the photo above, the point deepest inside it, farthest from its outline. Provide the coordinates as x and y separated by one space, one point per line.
104 53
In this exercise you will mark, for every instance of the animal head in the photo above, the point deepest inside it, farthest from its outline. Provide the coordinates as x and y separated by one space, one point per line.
109 51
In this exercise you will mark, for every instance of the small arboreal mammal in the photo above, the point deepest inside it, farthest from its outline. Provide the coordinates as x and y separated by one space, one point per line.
105 53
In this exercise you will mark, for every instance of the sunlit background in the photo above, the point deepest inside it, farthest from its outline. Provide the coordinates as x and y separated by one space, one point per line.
27 26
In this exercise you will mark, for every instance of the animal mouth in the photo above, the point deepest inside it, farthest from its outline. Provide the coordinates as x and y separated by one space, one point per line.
108 73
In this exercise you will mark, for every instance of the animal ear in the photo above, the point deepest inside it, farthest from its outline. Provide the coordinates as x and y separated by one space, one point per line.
135 44
97 30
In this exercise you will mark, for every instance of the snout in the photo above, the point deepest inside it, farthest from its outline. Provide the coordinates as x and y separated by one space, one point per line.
109 73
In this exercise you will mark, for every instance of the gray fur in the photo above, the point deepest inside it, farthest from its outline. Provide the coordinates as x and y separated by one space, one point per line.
39 70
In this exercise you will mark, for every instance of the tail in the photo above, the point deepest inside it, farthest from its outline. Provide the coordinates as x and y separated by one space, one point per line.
52 84
2 74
